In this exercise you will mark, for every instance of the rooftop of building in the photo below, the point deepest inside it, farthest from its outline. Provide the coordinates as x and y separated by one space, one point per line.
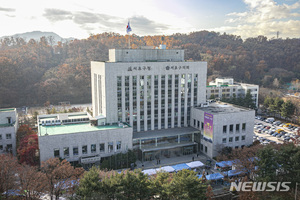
222 108
146 55
7 109
164 132
76 128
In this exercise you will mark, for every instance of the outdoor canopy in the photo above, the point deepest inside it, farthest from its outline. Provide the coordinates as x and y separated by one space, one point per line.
231 173
165 168
195 164
215 176
149 171
181 166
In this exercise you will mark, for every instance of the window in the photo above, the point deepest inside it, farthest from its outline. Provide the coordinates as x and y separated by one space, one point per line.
236 147
202 125
194 123
224 140
230 139
66 151
102 147
243 126
243 137
75 151
93 148
231 127
118 145
0 137
9 147
237 138
110 147
237 128
205 149
1 147
224 129
84 149
201 147
8 136
56 153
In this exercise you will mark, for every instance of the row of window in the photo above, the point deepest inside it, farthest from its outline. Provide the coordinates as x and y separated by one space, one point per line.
237 138
8 136
84 149
231 128
8 147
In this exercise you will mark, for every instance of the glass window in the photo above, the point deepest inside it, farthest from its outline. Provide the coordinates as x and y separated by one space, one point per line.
243 137
75 151
66 151
0 137
84 149
102 147
9 147
230 139
237 127
224 129
231 127
93 148
8 136
205 149
244 126
56 153
1 147
237 138
224 140
118 145
110 147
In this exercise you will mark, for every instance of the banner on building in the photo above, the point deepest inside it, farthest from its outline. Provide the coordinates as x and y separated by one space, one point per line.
208 127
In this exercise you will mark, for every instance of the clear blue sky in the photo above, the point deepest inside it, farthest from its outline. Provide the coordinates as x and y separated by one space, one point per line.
80 18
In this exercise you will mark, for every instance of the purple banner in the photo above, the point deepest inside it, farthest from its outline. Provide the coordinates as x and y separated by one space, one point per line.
208 126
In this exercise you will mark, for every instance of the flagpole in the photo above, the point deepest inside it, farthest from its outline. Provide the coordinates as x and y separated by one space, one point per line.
129 40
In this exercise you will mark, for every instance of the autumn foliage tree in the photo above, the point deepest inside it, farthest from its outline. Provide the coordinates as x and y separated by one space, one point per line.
28 150
60 176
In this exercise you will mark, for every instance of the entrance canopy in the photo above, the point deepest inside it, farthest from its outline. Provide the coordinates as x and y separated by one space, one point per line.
195 164
165 168
181 167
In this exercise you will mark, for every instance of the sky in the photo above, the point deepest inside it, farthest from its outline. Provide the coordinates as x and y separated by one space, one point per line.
81 18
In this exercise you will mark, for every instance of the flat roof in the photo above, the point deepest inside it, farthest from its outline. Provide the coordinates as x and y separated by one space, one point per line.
222 108
164 132
6 109
73 128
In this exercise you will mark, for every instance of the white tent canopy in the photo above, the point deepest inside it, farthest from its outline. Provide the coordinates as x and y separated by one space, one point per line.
195 164
166 169
149 171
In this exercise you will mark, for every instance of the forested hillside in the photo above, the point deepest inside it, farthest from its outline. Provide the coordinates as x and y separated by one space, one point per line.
34 72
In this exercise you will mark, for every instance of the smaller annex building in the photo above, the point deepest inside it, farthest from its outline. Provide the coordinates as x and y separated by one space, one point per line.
223 125
8 129
80 138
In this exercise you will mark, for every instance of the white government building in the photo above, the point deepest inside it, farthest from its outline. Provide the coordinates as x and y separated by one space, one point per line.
226 88
8 129
143 99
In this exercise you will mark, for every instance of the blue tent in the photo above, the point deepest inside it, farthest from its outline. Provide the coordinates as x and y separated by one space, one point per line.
215 176
180 166
222 164
231 173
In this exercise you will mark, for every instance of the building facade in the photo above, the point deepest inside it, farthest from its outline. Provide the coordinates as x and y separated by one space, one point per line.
8 129
223 125
226 88
150 89
80 138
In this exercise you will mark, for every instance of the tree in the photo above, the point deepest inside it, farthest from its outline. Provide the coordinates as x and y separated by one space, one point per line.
160 186
186 185
248 101
8 170
28 150
23 131
32 182
287 109
267 164
59 176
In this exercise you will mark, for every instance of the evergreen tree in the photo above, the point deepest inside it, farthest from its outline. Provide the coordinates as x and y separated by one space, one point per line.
287 109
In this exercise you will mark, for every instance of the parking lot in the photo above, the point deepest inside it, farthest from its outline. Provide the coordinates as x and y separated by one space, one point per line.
274 131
